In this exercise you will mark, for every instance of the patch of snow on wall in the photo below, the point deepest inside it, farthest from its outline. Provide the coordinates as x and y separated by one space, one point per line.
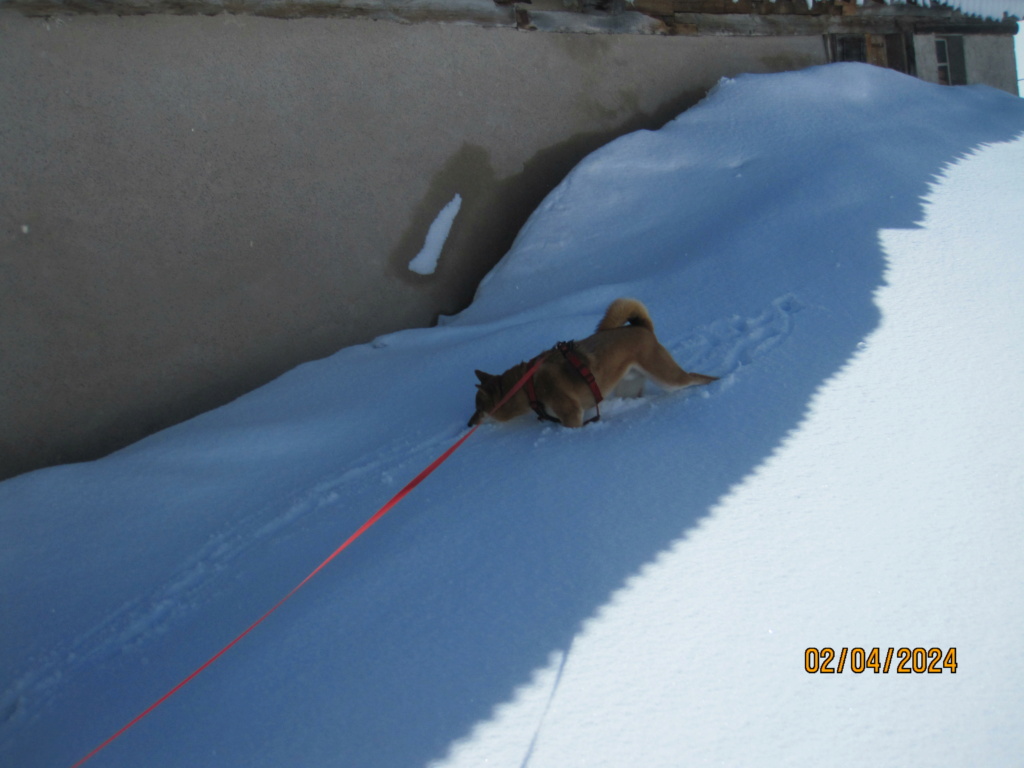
425 262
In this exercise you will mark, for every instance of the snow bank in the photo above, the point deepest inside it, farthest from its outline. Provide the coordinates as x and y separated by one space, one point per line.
837 244
889 518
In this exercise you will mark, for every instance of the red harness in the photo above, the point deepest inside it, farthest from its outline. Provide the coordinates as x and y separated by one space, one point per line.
566 348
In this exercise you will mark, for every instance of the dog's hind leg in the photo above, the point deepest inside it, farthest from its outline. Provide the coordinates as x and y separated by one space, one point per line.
631 385
657 363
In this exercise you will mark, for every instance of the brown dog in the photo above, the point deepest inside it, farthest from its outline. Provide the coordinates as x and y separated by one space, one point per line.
623 344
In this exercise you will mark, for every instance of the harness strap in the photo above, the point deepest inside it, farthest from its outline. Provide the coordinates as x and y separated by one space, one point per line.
567 350
535 404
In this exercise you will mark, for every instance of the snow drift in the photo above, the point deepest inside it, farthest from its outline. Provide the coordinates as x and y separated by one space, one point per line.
836 244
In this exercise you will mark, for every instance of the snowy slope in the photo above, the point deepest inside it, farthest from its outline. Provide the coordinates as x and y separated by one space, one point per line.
839 245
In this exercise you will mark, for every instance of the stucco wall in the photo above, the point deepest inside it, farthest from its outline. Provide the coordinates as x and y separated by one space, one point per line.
190 206
989 60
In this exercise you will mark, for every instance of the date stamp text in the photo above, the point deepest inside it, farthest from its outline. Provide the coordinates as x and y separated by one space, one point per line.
902 661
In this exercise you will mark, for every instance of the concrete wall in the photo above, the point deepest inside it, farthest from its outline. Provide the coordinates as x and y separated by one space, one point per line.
190 206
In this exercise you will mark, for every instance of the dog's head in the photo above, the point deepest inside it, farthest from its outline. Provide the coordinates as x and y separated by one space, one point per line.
488 393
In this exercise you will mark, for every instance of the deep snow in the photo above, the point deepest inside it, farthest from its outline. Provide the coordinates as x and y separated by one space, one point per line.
840 245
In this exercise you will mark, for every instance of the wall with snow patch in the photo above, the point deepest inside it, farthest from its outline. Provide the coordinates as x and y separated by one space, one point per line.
189 206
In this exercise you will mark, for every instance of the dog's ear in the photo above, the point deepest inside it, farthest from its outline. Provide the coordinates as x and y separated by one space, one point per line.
484 377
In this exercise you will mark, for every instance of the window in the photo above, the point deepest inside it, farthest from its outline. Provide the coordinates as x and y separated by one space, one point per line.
899 53
895 51
849 48
949 51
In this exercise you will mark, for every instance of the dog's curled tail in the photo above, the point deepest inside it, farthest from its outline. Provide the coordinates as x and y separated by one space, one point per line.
624 311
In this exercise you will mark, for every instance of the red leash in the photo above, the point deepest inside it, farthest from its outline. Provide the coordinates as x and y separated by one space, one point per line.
362 529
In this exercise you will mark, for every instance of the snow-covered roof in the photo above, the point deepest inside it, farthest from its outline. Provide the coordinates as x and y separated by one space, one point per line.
989 9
